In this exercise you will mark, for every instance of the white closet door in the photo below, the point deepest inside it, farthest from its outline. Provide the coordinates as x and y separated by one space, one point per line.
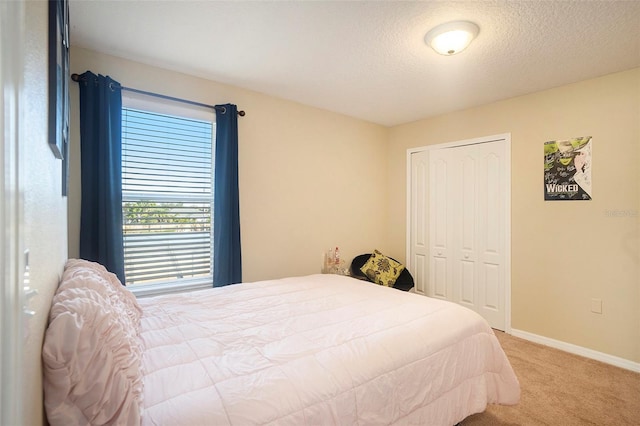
492 232
419 220
441 218
459 226
464 225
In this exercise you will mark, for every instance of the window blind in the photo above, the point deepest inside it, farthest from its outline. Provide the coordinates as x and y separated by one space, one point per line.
167 198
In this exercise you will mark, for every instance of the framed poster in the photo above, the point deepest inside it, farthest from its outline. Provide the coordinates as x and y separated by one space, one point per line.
58 76
567 169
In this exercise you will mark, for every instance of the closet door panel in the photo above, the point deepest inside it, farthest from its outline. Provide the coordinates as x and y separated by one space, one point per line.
440 277
419 271
491 233
419 220
440 225
464 217
467 284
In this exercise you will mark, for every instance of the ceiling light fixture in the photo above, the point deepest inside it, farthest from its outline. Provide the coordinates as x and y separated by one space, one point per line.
452 37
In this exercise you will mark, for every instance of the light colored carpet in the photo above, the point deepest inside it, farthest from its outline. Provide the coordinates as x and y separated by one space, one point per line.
559 388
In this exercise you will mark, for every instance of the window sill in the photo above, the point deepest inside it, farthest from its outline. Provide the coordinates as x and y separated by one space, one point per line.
149 290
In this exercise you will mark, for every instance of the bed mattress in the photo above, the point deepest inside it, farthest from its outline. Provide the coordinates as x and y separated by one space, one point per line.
316 350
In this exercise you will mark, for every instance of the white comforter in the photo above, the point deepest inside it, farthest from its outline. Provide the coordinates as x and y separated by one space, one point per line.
317 350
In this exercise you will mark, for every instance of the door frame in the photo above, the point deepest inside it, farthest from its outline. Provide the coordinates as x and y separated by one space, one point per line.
507 213
12 52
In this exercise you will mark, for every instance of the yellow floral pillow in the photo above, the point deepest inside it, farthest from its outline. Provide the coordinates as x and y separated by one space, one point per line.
382 269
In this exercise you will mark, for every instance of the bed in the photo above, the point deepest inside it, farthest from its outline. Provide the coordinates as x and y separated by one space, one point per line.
315 350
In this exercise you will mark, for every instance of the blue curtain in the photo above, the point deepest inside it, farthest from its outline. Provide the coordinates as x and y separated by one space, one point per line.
101 172
227 262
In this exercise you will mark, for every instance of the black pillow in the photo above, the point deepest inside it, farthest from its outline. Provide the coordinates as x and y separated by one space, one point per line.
404 281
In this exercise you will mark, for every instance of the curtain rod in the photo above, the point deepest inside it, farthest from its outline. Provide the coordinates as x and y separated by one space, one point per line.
77 78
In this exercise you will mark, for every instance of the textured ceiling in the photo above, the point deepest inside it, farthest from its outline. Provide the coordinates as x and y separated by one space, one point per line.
368 59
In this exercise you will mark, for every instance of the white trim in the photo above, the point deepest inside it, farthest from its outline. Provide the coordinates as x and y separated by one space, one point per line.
507 240
578 350
12 124
485 139
407 237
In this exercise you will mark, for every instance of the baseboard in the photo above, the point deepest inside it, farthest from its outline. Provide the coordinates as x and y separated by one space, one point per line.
578 350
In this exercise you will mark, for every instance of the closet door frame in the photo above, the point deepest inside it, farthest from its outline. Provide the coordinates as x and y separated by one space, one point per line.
12 258
506 137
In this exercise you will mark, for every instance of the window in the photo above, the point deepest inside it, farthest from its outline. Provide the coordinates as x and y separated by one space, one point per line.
167 198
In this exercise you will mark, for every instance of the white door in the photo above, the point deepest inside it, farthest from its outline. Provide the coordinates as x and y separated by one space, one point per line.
419 220
466 218
440 281
12 52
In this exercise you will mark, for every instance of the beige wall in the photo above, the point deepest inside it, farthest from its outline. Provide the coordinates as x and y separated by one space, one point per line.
309 179
45 210
563 253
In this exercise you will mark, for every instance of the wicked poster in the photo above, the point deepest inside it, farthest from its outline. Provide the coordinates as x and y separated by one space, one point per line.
567 169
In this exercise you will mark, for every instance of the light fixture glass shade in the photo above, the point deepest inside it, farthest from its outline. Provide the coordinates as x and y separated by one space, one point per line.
452 37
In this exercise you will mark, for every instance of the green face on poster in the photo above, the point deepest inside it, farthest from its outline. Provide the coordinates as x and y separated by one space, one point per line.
567 169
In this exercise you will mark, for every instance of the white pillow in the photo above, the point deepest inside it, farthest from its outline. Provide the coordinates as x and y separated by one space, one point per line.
91 353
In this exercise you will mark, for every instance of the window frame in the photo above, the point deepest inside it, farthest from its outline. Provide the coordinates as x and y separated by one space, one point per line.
147 103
